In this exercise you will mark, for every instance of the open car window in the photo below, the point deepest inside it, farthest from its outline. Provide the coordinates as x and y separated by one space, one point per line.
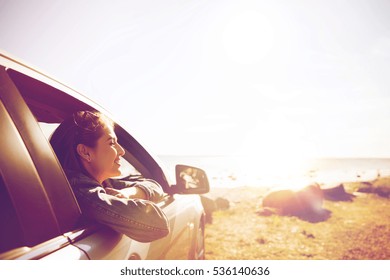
51 102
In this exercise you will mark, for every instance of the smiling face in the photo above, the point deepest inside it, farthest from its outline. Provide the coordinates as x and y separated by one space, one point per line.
103 160
86 142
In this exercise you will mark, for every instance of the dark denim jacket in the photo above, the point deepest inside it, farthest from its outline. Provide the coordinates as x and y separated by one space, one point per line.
141 220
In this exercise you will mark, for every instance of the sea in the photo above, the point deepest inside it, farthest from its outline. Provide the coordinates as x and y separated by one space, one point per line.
237 171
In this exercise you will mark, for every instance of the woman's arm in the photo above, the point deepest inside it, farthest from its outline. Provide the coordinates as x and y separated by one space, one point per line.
148 187
140 219
134 192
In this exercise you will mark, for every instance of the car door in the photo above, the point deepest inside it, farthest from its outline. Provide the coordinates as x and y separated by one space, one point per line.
184 214
100 242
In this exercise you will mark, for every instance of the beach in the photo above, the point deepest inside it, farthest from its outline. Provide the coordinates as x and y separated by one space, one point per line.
357 228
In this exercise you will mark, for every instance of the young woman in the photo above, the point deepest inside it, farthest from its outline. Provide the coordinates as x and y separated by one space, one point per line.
89 152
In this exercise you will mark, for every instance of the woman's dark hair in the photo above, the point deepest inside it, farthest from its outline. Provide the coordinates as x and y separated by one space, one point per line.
82 127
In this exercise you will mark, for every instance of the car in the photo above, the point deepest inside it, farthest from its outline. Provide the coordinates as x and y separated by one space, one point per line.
39 213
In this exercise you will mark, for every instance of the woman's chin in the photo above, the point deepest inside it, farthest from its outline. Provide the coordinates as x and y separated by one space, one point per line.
118 172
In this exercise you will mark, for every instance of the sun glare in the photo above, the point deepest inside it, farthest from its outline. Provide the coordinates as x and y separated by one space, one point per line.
275 153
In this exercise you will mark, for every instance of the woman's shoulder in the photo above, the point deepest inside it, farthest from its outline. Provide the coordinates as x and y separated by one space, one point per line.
80 180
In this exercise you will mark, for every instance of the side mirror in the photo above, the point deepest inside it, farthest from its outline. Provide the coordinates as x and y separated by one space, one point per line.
191 180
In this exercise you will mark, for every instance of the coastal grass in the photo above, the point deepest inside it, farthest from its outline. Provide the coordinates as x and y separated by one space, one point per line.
357 229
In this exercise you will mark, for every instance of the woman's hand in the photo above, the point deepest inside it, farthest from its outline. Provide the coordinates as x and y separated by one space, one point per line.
129 193
115 192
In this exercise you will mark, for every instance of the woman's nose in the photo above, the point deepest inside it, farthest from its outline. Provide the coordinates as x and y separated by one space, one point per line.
120 150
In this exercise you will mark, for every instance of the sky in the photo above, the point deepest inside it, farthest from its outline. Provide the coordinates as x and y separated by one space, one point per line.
273 79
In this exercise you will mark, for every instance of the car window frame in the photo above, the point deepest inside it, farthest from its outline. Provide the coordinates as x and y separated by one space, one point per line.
35 151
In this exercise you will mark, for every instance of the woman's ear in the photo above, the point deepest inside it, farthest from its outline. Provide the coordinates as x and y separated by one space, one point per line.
83 152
